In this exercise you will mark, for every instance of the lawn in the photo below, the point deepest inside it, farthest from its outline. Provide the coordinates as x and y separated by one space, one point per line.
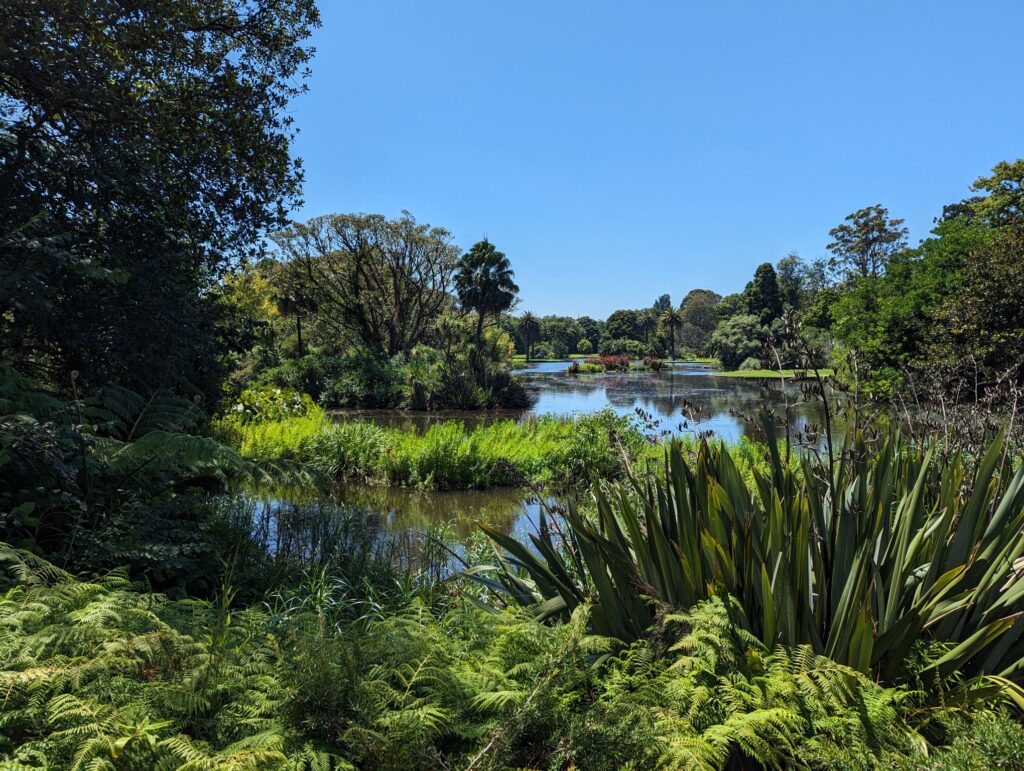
788 374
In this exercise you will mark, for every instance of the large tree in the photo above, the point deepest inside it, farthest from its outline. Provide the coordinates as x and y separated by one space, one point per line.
671 321
863 245
762 295
484 282
624 324
379 284
529 331
144 147
699 315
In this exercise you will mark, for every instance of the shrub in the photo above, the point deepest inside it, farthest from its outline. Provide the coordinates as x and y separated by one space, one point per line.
346 448
920 548
611 363
738 338
622 347
653 364
269 403
366 381
309 374
585 347
751 363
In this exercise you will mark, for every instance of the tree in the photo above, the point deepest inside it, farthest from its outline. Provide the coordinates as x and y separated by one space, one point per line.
699 315
1004 202
623 325
144 148
663 303
295 301
980 326
484 283
671 321
731 305
791 274
379 284
646 323
584 346
590 329
529 331
762 294
739 338
864 243
564 331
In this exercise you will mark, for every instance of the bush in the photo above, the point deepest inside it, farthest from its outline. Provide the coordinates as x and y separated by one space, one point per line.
365 381
328 675
585 347
653 364
738 338
622 347
269 403
610 363
752 363
310 374
542 350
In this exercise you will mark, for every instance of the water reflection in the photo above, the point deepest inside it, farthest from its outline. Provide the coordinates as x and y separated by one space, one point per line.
726 406
509 510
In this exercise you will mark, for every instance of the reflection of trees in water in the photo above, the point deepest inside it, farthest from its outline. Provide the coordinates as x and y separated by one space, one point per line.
727 405
359 529
463 511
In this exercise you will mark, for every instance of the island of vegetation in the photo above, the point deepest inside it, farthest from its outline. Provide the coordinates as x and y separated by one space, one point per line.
196 401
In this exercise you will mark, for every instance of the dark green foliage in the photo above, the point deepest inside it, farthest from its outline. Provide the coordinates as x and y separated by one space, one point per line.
117 480
737 339
620 346
484 283
140 153
860 559
96 672
762 295
987 741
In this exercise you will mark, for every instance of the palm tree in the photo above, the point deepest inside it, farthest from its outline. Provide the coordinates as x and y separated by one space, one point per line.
483 282
645 324
671 320
529 331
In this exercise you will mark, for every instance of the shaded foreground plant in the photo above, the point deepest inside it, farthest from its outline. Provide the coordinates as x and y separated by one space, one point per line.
100 674
894 548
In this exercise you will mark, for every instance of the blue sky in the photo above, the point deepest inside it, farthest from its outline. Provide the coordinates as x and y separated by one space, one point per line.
618 150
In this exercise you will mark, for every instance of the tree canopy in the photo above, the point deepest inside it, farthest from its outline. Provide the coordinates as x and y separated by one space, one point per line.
143 148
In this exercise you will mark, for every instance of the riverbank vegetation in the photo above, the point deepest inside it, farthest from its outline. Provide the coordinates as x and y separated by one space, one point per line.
562 453
182 587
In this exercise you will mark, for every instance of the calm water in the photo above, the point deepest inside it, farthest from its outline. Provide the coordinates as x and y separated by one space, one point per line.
670 399
686 397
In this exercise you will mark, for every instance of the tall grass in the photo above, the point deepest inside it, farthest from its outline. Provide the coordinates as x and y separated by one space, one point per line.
448 456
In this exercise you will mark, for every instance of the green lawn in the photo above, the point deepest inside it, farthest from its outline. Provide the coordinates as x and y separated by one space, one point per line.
789 374
520 358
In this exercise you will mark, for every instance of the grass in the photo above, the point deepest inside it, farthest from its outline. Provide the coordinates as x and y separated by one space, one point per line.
699 360
788 374
562 452
520 358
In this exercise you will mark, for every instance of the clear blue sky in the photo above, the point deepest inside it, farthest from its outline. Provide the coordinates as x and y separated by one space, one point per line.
618 150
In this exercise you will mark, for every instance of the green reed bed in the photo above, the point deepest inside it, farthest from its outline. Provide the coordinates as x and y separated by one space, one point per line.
448 456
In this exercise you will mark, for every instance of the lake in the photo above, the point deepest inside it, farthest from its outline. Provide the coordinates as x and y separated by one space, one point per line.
685 397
